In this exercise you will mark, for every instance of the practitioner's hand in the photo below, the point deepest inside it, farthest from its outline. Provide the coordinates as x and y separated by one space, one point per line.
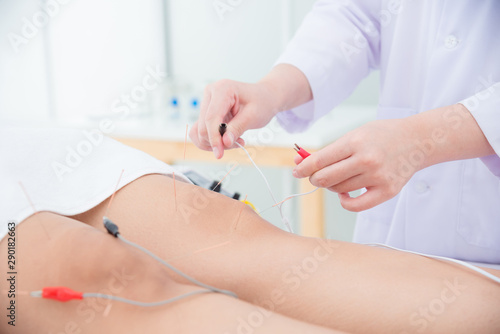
369 157
246 106
242 106
382 156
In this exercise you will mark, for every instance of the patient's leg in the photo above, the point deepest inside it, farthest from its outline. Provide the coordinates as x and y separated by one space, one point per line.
58 251
341 285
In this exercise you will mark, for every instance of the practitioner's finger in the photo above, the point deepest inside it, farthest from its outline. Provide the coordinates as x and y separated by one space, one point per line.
193 135
298 159
371 198
220 106
329 155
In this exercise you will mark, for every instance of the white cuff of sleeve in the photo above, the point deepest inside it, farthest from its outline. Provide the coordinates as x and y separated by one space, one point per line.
485 108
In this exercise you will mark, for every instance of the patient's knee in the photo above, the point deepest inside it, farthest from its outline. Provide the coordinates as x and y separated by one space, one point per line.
83 258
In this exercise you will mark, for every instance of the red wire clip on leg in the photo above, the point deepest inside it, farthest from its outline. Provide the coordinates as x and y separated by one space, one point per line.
303 153
61 294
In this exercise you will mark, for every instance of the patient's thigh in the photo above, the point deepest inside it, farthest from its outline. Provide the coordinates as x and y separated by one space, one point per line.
191 228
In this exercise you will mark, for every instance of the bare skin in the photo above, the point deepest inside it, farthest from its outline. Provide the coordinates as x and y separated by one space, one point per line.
59 251
342 286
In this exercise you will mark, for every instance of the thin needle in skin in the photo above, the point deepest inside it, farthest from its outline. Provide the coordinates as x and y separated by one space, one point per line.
33 207
211 247
239 214
283 201
224 177
114 192
107 310
201 250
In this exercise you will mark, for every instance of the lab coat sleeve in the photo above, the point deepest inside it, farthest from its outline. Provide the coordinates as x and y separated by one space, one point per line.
485 108
337 45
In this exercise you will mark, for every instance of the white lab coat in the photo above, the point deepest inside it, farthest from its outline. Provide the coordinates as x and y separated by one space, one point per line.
430 54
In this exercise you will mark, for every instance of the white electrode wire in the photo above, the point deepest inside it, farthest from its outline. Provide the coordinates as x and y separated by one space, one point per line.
258 169
143 304
297 195
288 198
462 263
283 218
166 264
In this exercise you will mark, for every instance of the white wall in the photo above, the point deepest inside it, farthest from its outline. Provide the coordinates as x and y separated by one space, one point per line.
241 43
88 54
243 46
23 89
101 49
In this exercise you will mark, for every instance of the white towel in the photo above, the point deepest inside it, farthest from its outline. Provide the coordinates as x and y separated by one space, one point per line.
64 171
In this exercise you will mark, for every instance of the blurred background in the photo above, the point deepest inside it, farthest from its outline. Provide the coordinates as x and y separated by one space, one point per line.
144 64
